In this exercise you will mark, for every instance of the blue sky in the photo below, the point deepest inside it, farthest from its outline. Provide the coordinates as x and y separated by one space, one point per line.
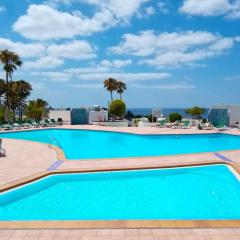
174 53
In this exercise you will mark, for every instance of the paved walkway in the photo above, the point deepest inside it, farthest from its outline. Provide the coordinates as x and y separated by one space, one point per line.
121 234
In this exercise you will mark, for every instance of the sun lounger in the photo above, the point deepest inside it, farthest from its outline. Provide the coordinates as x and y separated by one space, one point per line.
50 123
34 124
185 124
26 125
16 126
208 126
7 127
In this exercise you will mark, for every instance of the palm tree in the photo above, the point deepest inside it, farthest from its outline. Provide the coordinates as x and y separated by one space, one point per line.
121 87
18 93
37 109
2 90
111 85
11 61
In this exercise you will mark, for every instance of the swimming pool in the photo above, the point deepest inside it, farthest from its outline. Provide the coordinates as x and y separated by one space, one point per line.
206 192
87 144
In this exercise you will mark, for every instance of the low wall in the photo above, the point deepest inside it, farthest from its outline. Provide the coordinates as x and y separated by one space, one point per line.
112 124
147 124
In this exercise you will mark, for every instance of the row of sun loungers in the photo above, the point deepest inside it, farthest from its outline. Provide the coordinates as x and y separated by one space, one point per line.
175 125
187 125
30 124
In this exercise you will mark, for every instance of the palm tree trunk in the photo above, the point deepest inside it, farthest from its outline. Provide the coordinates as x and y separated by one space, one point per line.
7 102
111 96
14 115
120 96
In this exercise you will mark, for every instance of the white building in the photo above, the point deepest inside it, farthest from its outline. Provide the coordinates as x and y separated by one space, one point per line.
227 114
65 115
98 116
234 111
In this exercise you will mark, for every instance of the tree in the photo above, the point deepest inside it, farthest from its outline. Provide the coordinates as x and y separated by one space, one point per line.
111 85
2 89
121 87
173 117
196 112
117 108
37 109
10 61
18 93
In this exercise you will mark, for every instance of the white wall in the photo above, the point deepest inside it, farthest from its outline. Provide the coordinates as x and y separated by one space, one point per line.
234 114
98 116
64 114
112 124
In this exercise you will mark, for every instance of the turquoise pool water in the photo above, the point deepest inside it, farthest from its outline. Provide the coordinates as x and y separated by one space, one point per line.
207 192
84 144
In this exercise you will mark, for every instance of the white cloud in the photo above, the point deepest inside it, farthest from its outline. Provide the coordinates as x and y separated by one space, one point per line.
127 77
56 3
173 49
86 86
163 7
232 78
116 63
38 85
231 9
176 86
95 69
55 24
72 50
44 63
122 10
24 50
139 45
52 76
2 9
150 11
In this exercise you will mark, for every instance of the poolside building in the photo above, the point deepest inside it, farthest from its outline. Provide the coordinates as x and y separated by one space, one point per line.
97 114
234 111
219 115
228 115
64 114
79 116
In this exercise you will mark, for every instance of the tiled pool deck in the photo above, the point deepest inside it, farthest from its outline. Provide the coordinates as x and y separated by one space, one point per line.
26 160
121 234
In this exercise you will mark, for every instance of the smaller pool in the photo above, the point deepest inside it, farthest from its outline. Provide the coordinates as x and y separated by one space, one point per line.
207 192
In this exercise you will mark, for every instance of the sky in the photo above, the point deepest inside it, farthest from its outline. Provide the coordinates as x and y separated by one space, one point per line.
170 53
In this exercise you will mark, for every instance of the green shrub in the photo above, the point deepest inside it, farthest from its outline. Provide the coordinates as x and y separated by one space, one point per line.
173 117
117 108
196 112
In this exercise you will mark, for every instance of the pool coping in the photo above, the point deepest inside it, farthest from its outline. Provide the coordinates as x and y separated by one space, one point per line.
113 224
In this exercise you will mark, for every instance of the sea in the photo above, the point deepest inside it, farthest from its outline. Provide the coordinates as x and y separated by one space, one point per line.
164 111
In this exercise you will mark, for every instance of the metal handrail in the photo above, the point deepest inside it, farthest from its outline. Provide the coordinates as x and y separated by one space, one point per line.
52 140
